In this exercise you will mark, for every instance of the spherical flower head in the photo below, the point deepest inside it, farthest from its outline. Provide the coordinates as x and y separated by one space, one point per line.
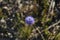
29 20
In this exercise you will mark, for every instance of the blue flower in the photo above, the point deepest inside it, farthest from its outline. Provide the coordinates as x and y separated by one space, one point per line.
29 20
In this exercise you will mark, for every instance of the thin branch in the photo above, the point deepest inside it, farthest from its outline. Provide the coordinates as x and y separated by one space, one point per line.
40 33
51 7
51 26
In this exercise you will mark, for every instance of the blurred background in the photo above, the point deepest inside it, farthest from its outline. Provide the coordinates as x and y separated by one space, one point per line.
45 13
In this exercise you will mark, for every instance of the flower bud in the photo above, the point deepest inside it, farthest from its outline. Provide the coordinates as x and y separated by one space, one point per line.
29 20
